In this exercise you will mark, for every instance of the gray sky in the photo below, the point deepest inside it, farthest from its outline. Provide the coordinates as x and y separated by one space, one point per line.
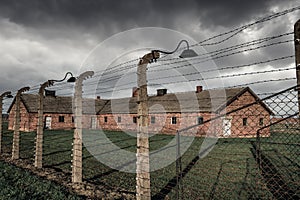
41 40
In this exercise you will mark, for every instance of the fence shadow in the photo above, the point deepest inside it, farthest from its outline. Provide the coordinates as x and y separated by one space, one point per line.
274 180
173 182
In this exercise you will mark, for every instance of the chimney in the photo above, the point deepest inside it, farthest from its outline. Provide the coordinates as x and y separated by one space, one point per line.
50 93
161 92
199 88
98 97
134 92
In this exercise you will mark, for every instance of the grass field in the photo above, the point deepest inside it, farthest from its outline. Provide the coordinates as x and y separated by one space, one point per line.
229 171
16 183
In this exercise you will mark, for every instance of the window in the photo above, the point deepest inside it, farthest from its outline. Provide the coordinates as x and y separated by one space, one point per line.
73 119
200 120
244 121
61 118
119 119
261 121
134 120
174 120
105 119
152 120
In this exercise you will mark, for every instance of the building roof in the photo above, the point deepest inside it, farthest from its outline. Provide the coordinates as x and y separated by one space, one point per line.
59 104
206 101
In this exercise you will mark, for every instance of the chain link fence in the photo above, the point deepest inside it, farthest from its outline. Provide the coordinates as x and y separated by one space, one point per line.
255 157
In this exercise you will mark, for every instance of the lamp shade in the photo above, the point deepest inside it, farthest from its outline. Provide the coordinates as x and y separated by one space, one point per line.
188 53
71 79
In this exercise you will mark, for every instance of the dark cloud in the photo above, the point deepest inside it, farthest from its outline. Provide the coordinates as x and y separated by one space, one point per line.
44 38
128 14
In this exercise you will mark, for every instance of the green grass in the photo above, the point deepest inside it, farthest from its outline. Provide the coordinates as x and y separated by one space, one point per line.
229 171
282 152
15 183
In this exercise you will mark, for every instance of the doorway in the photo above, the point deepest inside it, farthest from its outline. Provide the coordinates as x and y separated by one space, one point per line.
226 126
48 120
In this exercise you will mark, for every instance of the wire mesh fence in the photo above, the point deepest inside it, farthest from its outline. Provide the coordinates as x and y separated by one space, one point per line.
278 155
255 157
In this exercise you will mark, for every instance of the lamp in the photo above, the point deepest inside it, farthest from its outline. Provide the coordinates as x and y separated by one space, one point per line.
187 53
7 95
72 79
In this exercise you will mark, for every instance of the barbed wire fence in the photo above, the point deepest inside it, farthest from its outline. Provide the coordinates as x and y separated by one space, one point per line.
255 155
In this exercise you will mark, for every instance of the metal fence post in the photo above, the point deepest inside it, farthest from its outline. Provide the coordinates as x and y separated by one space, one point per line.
297 56
1 104
178 165
16 137
77 140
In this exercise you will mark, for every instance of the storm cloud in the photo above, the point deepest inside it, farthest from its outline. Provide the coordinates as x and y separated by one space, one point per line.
90 13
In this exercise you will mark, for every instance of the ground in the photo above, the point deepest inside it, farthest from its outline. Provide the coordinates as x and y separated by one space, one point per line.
229 171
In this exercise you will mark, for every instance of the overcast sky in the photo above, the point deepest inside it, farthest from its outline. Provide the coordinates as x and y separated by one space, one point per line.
41 40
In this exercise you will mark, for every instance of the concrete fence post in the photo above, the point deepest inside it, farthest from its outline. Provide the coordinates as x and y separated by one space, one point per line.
16 137
38 161
5 94
77 140
143 190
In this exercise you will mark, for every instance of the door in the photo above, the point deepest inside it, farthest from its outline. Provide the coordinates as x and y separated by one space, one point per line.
93 123
48 122
226 127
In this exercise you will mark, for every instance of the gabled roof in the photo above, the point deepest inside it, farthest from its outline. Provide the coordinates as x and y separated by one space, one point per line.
59 104
246 89
206 101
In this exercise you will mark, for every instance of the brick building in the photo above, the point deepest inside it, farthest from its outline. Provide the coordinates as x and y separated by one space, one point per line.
58 112
170 112
167 112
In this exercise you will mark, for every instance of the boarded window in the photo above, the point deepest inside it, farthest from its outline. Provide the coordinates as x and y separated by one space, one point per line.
174 120
245 123
134 120
119 119
200 120
152 120
61 118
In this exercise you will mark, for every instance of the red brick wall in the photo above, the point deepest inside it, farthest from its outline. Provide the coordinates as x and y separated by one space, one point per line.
24 118
163 121
253 115
214 128
33 119
28 121
112 123
56 125
87 121
184 120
